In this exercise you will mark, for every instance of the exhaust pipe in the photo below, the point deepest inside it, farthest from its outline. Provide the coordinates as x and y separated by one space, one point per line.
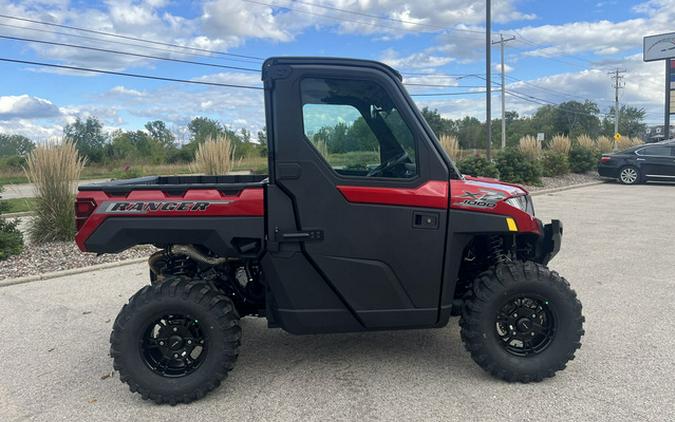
194 253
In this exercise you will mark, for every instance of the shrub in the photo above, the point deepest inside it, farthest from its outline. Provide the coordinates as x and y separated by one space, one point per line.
214 157
11 239
451 145
555 163
560 144
54 170
585 141
127 172
516 167
478 166
627 142
604 144
582 159
530 147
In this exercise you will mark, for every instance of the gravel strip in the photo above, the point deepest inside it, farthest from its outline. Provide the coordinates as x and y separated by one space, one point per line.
563 181
58 256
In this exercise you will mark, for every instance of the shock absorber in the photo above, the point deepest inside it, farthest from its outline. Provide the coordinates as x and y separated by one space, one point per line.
495 250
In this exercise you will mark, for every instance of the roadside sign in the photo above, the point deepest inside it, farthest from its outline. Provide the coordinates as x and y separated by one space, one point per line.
540 136
617 136
658 47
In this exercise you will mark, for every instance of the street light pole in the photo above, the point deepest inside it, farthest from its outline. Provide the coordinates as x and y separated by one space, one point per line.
488 76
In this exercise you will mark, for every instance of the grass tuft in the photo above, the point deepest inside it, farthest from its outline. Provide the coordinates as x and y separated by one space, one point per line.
214 157
54 169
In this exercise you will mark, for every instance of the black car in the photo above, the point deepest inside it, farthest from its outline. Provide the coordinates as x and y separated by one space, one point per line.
640 164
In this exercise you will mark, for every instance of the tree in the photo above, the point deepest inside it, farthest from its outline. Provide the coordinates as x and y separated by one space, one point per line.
438 123
203 128
573 118
262 141
137 146
15 145
631 121
88 138
160 133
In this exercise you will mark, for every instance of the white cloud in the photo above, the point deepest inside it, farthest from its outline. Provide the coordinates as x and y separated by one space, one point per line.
26 107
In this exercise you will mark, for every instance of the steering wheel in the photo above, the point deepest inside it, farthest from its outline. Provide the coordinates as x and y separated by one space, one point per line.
392 162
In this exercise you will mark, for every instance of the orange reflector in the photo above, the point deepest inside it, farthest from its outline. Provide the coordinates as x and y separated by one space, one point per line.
513 227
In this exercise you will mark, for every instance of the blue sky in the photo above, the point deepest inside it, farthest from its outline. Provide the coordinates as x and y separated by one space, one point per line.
562 52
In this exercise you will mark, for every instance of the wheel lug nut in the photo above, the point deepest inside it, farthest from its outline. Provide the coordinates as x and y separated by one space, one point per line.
175 355
532 334
189 342
161 343
534 316
175 329
515 315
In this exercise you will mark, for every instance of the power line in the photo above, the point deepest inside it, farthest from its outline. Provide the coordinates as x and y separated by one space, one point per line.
443 94
125 53
131 75
148 47
127 37
442 85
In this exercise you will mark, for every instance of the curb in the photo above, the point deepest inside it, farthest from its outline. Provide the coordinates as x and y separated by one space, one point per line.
17 214
57 274
569 187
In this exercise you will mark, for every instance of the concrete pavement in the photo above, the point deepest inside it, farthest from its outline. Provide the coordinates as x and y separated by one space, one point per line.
617 253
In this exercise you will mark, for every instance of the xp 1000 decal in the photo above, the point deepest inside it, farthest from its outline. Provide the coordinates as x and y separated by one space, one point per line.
482 199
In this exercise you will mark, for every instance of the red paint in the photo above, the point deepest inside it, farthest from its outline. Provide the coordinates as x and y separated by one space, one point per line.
433 194
475 185
247 203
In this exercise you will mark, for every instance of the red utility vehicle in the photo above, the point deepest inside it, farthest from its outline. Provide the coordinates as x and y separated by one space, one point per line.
364 223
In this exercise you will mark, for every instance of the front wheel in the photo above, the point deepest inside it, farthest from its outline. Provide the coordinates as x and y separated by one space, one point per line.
522 322
629 175
175 341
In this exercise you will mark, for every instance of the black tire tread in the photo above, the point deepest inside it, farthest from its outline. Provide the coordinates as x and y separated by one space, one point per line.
495 279
199 292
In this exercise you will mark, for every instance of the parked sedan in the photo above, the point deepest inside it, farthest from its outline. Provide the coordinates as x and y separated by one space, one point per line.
640 164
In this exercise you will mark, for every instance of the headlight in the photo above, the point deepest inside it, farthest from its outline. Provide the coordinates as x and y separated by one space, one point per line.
523 203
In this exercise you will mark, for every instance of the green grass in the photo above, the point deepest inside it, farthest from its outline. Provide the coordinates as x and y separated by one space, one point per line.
17 205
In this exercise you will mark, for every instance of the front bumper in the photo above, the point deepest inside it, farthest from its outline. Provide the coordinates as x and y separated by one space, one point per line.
549 243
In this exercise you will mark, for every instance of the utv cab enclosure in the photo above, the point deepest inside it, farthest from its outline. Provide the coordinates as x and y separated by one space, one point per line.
363 223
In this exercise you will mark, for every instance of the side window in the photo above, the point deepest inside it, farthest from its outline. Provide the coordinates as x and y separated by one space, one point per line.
357 129
660 151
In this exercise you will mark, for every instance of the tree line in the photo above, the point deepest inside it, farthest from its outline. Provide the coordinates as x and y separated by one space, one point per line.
156 143
572 118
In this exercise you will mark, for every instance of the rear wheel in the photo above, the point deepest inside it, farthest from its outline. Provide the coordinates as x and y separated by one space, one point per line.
175 341
522 322
629 175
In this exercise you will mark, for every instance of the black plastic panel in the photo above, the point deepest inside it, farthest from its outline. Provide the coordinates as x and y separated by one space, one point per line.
219 234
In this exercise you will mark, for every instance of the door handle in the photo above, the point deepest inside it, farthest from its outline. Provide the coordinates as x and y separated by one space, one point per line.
640 159
426 220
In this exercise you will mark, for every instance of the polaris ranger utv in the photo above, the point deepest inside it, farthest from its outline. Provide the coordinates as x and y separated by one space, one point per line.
364 223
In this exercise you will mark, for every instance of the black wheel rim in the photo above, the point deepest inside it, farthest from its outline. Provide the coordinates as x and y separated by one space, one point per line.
173 345
525 326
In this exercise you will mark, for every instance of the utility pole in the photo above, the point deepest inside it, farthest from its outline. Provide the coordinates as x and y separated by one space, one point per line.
668 111
488 76
501 43
617 77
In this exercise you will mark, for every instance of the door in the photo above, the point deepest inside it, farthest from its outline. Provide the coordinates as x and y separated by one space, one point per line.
658 161
368 188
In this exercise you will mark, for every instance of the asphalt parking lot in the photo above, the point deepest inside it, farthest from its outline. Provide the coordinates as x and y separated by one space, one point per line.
617 253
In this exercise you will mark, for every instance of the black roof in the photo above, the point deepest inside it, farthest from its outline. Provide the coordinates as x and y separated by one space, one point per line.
334 61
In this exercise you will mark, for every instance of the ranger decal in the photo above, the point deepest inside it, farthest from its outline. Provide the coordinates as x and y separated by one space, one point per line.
145 207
